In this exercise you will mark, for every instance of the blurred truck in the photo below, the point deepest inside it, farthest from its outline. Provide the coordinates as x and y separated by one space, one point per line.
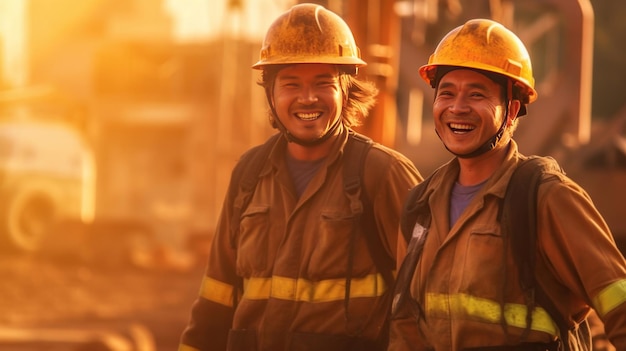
47 173
141 160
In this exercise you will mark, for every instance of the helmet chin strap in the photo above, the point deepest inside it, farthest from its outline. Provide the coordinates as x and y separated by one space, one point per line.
492 142
488 145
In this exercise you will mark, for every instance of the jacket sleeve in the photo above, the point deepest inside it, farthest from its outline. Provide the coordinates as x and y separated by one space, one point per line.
213 310
399 178
390 191
582 255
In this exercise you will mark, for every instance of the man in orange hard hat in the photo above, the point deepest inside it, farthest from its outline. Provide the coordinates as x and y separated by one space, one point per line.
305 248
472 279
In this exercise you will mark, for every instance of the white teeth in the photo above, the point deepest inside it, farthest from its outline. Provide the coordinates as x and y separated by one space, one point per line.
308 116
458 126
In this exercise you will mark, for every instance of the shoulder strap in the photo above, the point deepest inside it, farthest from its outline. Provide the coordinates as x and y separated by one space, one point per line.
416 209
415 206
244 178
519 221
519 211
356 152
243 181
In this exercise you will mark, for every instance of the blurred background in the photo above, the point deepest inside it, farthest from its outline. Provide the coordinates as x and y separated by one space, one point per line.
120 122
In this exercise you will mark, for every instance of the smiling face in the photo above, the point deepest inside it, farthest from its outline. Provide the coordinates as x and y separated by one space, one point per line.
308 99
468 110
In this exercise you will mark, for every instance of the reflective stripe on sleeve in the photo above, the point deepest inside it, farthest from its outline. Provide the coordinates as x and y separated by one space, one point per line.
217 291
475 308
610 297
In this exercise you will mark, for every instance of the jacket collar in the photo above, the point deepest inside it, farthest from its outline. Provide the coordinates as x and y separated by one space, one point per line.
496 184
276 158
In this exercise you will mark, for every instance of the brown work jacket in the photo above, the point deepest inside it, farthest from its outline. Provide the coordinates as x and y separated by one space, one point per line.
465 290
288 262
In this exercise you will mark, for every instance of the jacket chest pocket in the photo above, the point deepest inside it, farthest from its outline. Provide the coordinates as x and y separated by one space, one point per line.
253 240
332 243
484 260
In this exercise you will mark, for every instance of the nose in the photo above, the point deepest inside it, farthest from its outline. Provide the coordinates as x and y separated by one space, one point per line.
307 96
459 105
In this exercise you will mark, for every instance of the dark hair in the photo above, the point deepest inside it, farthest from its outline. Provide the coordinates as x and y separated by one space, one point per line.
359 95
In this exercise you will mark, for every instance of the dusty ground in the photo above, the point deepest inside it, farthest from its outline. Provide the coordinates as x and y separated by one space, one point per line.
61 296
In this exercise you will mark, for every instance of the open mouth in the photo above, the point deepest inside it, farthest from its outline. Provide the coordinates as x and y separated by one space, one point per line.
308 116
459 128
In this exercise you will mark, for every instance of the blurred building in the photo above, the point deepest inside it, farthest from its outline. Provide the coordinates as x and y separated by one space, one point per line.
167 95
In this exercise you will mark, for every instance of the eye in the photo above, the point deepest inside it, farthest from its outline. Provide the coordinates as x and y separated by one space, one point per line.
326 83
444 93
289 84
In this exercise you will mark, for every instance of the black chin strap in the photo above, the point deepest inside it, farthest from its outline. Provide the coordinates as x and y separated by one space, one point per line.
491 143
488 145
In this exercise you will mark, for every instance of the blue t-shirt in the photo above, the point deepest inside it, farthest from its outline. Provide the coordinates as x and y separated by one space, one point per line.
460 198
302 172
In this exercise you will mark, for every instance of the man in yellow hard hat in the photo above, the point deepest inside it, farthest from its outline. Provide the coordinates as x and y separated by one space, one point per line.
490 266
305 249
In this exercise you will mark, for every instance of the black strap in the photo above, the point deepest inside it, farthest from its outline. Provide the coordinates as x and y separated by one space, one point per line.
355 154
244 179
519 223
361 206
519 214
415 210
518 218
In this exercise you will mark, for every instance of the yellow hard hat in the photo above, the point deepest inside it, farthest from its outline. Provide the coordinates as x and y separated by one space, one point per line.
485 45
309 33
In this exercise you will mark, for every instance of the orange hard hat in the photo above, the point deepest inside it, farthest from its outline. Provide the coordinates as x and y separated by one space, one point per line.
309 33
485 45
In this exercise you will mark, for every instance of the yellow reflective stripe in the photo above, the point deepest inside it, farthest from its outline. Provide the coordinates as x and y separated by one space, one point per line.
463 305
257 288
307 291
610 297
183 347
216 291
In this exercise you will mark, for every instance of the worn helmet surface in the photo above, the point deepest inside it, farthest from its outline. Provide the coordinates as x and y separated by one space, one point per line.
486 45
309 33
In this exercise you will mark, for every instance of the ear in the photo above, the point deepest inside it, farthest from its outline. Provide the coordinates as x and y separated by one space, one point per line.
269 94
514 108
